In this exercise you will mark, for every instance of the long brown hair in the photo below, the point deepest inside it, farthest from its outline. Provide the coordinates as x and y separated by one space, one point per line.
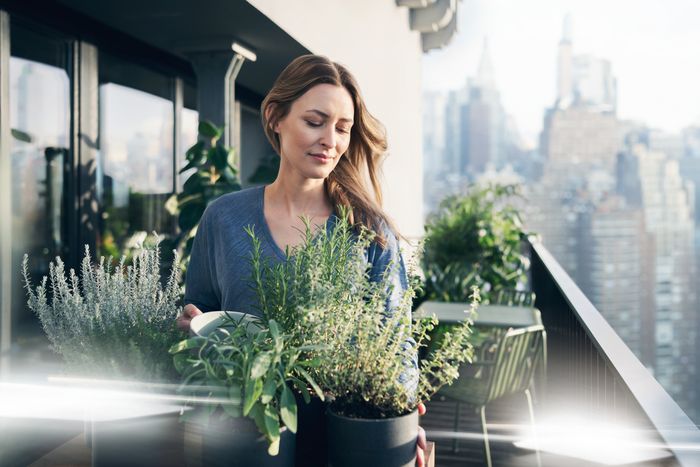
346 185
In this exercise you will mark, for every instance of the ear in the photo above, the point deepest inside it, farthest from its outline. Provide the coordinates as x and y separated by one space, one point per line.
268 113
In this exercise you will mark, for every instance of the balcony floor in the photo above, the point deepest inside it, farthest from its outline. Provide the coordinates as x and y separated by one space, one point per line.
500 416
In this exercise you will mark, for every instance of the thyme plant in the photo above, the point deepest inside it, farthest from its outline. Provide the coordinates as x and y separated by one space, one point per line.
243 370
322 293
110 321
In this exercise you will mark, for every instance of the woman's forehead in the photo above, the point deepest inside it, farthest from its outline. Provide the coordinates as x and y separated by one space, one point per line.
326 100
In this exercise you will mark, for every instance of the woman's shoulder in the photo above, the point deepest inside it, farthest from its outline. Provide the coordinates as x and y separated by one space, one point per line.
240 207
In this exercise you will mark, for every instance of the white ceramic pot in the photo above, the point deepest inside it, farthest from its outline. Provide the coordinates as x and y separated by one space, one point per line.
204 324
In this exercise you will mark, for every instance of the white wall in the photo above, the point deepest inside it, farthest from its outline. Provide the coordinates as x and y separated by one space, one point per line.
373 39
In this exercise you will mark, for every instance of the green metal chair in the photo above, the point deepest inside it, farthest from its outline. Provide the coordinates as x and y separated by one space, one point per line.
504 364
512 297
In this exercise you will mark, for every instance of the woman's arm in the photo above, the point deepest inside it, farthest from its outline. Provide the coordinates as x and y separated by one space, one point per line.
200 279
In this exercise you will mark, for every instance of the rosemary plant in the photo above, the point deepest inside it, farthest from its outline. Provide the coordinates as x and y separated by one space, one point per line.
322 293
115 322
243 370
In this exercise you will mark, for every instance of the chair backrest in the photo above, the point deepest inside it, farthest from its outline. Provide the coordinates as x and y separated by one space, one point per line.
516 358
504 364
514 297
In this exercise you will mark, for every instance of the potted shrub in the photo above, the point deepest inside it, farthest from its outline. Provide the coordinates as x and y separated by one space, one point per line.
238 378
323 293
474 239
115 323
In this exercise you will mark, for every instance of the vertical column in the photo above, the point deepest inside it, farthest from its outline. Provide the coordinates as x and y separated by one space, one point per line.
213 91
81 190
177 98
5 202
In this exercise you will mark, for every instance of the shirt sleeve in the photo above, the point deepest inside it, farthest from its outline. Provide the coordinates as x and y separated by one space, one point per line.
389 260
199 278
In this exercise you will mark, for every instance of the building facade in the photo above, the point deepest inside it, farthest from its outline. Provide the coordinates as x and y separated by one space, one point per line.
100 100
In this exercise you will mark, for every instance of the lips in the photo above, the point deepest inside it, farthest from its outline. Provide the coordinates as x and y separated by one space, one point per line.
321 157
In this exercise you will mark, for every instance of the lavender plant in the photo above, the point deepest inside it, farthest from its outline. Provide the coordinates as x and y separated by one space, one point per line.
323 293
110 321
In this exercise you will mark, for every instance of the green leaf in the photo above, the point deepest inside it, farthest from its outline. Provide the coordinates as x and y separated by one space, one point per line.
209 130
190 215
274 329
272 423
301 387
180 362
21 135
311 382
269 390
234 393
232 410
288 409
253 390
219 157
191 343
256 413
274 447
261 363
195 154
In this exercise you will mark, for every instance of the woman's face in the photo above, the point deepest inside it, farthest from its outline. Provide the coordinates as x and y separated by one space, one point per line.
316 131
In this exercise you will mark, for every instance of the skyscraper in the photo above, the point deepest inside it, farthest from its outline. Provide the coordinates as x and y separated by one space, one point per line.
583 80
651 181
483 120
616 271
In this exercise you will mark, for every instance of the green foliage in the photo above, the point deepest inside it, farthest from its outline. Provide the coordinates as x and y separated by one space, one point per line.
113 321
242 369
323 293
474 240
215 175
267 170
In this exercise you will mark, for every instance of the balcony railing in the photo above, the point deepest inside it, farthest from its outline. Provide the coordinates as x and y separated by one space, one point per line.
592 376
589 365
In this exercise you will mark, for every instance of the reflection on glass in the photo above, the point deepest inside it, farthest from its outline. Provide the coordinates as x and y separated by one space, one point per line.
188 137
39 118
136 162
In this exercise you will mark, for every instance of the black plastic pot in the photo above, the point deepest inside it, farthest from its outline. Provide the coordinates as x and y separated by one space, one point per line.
389 442
139 442
239 443
311 433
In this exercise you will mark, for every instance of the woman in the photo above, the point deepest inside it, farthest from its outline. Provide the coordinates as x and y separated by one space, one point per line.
328 144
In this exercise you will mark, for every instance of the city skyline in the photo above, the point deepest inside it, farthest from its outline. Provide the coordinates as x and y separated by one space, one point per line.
632 36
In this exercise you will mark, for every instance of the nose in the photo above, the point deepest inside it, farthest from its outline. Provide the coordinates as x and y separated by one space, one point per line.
328 138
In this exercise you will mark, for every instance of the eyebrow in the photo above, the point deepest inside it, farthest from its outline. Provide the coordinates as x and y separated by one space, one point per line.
325 115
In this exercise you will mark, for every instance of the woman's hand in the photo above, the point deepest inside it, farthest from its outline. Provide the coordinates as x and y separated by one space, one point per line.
421 444
189 312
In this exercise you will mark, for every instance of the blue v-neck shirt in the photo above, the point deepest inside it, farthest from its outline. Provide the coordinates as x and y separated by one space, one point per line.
219 273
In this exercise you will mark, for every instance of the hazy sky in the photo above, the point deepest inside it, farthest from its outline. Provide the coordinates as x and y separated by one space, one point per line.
653 46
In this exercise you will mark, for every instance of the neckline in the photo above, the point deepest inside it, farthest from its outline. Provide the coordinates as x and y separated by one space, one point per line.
330 222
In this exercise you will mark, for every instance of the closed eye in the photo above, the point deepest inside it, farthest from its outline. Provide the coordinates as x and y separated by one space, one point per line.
313 124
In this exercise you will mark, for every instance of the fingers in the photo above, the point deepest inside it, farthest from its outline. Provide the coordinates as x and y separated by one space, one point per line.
189 312
422 444
420 458
421 409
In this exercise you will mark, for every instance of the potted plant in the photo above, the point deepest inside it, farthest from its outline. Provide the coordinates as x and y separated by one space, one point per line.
238 378
368 367
474 239
212 172
116 323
